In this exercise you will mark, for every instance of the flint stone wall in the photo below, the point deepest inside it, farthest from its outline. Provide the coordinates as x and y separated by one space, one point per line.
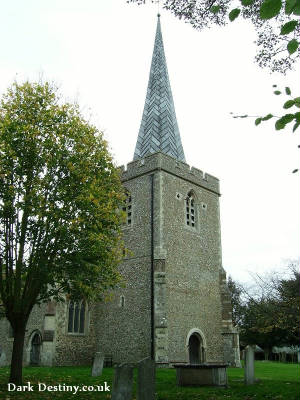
187 264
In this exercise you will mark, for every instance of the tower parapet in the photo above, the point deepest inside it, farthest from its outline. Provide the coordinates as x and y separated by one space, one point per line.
164 162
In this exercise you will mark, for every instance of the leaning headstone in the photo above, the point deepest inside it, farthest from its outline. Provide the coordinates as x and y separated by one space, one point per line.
98 364
249 365
146 379
122 383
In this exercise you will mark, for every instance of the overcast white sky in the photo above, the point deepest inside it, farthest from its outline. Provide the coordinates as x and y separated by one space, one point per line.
99 52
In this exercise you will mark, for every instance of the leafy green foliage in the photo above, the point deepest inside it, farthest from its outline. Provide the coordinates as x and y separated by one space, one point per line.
289 6
292 7
285 119
59 199
289 104
288 27
267 117
270 8
288 91
260 326
296 9
234 14
215 9
236 291
288 293
292 46
297 102
258 121
247 2
268 315
272 36
297 117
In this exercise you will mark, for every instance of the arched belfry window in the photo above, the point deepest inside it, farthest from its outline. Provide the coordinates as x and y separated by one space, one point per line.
127 208
76 317
190 211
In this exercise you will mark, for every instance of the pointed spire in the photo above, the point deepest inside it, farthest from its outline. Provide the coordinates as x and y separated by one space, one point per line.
159 130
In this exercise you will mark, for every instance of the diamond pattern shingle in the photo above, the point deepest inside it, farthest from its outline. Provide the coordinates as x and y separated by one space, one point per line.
159 130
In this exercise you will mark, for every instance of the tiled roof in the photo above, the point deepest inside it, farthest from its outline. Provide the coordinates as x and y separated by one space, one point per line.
159 130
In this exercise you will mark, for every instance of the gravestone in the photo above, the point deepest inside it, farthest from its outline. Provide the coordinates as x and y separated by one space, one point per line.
122 383
249 365
98 364
146 379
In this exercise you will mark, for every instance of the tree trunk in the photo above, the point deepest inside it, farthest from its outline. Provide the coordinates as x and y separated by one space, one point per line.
17 356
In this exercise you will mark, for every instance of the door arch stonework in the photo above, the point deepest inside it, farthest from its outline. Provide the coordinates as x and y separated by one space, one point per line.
35 348
196 346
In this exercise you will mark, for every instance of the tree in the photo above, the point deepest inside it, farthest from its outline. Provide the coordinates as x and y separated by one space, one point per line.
236 290
277 40
284 292
59 199
260 325
292 104
268 313
275 37
288 292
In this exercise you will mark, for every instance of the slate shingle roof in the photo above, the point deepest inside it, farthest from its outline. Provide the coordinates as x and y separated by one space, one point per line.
159 130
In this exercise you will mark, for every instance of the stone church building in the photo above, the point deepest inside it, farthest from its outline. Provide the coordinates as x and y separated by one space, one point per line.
176 305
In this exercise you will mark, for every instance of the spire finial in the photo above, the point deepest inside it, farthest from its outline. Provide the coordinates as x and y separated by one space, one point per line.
158 7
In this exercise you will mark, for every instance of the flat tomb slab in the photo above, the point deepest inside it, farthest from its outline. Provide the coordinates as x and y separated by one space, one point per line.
201 374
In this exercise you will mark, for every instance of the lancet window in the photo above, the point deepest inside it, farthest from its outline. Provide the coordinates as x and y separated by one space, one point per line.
127 208
190 211
76 317
122 301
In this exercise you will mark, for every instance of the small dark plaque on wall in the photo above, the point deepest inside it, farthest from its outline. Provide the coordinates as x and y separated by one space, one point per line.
48 336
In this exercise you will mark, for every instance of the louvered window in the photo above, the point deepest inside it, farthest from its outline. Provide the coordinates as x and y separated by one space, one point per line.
127 208
190 211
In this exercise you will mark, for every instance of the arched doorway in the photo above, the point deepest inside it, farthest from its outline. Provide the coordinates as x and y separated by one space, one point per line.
196 349
35 349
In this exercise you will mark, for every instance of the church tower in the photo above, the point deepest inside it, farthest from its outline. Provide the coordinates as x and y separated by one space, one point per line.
175 305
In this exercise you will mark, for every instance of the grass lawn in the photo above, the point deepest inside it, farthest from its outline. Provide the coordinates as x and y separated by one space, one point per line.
276 381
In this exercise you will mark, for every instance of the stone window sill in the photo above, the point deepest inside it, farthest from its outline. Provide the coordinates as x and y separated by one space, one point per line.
192 230
126 227
75 334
